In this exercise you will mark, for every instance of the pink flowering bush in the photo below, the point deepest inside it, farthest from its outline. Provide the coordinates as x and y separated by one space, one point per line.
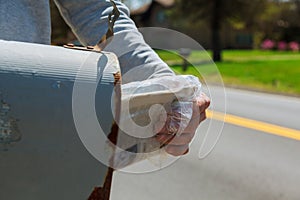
281 46
268 44
294 46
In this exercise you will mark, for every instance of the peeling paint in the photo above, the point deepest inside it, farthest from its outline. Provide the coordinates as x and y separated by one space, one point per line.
9 132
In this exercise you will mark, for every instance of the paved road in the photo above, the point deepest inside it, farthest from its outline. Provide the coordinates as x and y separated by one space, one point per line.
245 164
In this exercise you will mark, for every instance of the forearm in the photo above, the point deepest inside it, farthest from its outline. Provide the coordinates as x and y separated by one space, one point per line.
89 21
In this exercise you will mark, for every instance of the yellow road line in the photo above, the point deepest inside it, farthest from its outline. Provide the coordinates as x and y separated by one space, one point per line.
255 125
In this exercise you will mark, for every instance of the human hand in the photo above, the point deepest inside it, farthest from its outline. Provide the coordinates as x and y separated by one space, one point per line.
178 144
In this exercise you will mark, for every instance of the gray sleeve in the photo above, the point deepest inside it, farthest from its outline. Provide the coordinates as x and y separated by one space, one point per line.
89 21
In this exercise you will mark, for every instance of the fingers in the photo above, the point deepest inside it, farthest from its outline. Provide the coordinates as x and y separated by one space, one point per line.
169 126
202 116
173 122
183 139
203 102
178 145
195 121
177 150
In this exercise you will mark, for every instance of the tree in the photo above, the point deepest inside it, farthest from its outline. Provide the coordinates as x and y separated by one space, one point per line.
216 12
280 21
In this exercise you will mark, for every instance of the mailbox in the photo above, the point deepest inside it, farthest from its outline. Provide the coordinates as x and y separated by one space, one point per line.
41 153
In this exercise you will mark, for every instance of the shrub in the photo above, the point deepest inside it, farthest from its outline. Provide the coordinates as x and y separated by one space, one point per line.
294 46
268 44
281 46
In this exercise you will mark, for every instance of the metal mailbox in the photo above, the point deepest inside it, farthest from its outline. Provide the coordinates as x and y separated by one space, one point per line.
41 154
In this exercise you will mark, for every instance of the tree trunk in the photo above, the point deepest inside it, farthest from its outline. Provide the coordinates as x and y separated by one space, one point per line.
215 30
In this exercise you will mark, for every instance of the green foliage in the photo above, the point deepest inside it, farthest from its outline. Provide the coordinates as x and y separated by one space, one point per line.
270 71
280 76
239 11
240 14
280 21
273 19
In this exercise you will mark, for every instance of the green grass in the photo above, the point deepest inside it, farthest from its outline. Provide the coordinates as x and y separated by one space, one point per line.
270 71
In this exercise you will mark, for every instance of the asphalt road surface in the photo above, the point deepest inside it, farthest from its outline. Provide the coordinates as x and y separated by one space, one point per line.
247 163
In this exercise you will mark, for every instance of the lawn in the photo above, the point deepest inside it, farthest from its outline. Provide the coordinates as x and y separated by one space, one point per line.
270 71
